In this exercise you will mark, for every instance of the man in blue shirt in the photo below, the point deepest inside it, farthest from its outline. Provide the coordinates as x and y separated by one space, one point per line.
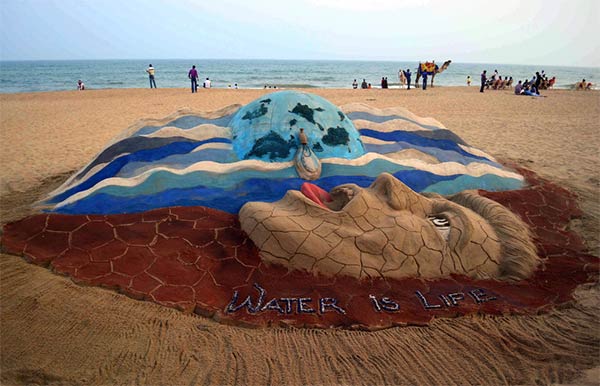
483 79
407 74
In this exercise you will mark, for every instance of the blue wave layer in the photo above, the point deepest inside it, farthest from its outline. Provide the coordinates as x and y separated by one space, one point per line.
231 200
148 155
163 180
405 136
440 155
180 161
464 182
186 122
384 118
127 146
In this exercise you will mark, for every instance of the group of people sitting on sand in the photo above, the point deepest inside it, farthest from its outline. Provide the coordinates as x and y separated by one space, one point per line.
497 83
532 87
364 84
538 82
583 85
527 88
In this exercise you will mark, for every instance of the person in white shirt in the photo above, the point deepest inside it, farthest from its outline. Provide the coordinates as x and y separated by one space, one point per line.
206 83
150 71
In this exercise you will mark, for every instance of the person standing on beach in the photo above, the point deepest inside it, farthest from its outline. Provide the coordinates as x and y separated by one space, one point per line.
354 84
402 78
468 80
150 71
407 74
425 80
483 79
538 80
193 76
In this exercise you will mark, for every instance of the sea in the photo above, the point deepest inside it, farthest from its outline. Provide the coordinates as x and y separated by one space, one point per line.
33 76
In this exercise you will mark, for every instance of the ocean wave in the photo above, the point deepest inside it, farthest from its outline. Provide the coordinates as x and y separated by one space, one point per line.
294 85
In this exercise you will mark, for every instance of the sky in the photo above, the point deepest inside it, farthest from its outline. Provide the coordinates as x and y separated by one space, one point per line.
551 32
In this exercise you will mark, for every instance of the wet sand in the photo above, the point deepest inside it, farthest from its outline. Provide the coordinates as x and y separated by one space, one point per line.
55 331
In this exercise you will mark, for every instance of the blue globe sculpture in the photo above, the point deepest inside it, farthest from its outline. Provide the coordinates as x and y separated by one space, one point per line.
267 128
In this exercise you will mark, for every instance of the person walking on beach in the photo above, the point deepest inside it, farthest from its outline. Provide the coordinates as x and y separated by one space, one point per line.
483 79
193 76
150 71
407 74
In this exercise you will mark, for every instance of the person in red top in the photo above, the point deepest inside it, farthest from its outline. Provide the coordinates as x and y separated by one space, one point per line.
193 75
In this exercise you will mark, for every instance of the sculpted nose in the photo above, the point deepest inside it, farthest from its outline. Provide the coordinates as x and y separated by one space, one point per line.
399 196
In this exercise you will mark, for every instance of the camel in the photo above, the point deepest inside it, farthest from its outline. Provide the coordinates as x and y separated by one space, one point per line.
432 75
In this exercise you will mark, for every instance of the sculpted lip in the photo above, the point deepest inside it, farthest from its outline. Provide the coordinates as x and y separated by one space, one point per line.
315 194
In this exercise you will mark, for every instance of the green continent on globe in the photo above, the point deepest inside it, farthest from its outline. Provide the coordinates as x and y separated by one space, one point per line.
336 136
262 110
272 145
306 112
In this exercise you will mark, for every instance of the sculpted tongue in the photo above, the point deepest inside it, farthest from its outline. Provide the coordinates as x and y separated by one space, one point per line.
315 194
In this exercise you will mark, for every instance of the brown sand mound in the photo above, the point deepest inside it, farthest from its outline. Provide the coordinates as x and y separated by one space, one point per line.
54 331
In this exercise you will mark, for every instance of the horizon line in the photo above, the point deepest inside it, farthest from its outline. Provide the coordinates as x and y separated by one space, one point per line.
289 60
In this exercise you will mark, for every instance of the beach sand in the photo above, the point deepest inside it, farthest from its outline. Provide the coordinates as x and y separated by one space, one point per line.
56 332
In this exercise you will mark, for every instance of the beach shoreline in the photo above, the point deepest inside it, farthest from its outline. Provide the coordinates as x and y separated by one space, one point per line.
255 74
46 136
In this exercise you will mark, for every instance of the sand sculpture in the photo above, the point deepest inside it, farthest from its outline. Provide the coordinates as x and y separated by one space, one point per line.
388 230
398 227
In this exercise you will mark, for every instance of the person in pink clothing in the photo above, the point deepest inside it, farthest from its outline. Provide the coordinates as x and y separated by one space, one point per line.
193 75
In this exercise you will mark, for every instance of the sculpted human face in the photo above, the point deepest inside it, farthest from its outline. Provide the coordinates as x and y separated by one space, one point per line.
385 230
